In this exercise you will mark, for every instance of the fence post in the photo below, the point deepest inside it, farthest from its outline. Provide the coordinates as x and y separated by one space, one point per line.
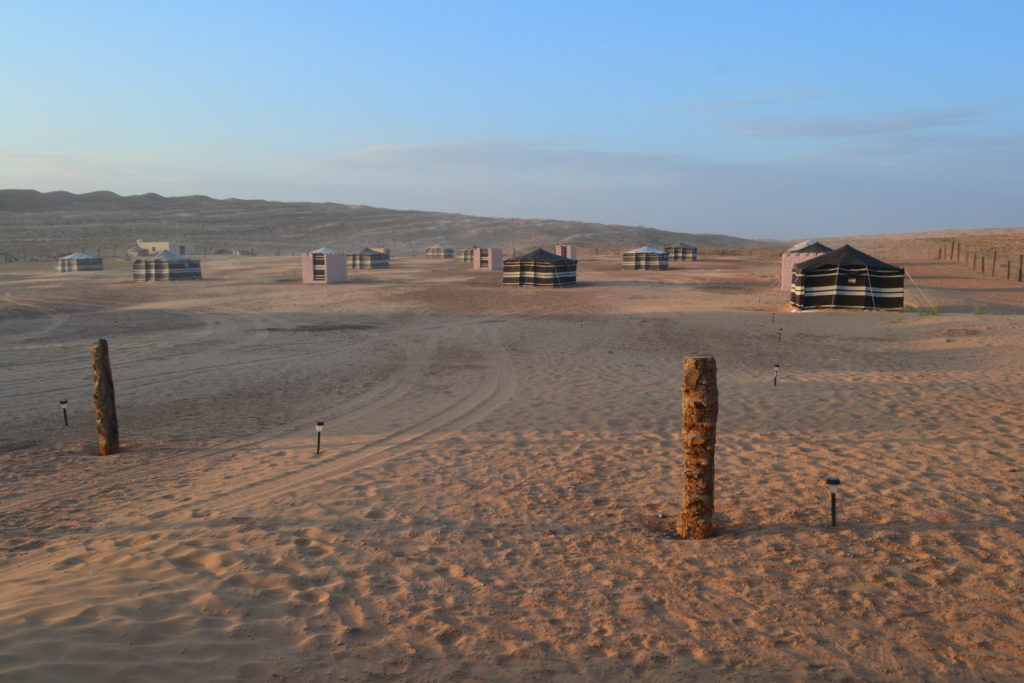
103 399
700 418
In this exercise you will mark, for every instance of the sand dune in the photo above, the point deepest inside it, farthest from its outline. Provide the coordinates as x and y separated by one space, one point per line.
35 225
499 472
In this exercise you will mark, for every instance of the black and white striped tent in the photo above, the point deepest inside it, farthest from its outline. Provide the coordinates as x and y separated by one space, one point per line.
466 255
682 252
78 261
846 278
165 265
368 258
645 258
440 251
539 268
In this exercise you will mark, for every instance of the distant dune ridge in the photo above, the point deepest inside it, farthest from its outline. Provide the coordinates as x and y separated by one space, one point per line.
39 224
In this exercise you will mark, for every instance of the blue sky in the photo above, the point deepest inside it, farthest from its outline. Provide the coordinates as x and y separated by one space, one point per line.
759 119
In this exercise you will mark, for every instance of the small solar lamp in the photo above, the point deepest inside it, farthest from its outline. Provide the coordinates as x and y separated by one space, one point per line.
775 380
64 409
319 429
833 489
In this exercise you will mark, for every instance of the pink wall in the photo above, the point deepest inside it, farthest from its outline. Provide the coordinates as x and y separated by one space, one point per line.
791 259
336 269
495 259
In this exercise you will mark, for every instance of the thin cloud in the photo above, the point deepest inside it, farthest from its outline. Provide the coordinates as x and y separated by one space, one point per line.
511 159
887 123
767 99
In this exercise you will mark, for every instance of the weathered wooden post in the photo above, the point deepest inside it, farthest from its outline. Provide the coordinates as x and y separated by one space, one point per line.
103 399
1020 268
700 417
994 254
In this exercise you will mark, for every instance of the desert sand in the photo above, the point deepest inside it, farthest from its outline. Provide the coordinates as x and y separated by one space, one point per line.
500 470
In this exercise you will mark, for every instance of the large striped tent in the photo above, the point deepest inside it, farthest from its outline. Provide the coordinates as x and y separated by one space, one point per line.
846 278
645 258
539 268
682 252
368 258
466 255
165 265
440 251
78 261
798 253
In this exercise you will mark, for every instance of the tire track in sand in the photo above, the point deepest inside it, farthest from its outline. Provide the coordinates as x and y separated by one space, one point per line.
494 390
391 389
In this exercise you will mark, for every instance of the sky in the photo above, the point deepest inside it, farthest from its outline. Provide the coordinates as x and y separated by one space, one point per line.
754 119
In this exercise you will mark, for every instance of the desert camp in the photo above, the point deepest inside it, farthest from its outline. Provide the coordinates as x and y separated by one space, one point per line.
165 266
440 251
682 252
645 258
72 263
539 268
846 278
487 258
607 415
323 266
798 253
368 259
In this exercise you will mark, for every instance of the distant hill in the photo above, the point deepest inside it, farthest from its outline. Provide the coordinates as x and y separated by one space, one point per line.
37 224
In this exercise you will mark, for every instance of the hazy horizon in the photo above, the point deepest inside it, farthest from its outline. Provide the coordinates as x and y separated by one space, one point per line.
749 120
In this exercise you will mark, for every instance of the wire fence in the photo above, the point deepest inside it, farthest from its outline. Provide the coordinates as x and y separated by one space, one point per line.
988 261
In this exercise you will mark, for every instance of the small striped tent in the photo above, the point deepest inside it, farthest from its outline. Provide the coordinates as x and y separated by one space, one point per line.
539 268
466 255
565 251
846 278
323 266
645 258
165 266
682 252
367 259
798 253
440 251
78 261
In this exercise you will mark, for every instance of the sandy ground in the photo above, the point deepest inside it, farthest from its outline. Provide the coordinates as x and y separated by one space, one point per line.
499 473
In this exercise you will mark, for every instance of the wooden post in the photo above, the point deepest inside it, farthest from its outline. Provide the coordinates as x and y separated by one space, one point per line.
994 254
982 265
103 399
700 417
940 253
1008 268
1020 268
